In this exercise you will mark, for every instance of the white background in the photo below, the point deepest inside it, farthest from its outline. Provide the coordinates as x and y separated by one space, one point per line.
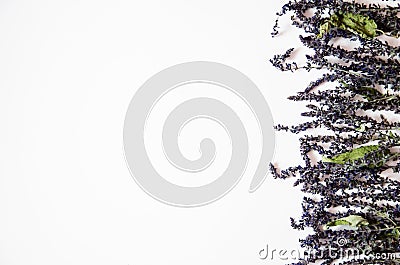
68 70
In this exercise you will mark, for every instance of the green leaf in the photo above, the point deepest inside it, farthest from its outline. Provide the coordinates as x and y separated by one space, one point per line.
352 155
368 93
355 23
361 128
351 220
396 233
323 29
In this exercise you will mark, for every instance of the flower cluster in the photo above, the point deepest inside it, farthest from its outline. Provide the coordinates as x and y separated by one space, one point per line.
352 169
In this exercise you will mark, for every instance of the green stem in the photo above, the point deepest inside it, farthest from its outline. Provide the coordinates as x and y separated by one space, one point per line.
389 34
385 98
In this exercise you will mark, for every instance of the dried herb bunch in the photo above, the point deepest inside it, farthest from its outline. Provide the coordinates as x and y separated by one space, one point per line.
350 174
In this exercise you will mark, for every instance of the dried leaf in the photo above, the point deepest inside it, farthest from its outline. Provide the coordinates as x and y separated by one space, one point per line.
354 221
355 23
352 155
